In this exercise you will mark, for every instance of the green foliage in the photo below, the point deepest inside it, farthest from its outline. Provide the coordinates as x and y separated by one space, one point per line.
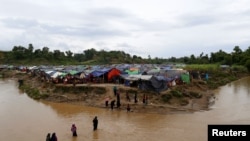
31 92
176 93
166 98
22 55
203 67
247 64
239 68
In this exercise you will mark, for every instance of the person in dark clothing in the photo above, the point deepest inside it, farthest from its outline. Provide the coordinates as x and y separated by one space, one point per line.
112 104
118 104
114 90
95 123
53 137
73 130
144 99
48 137
127 97
128 108
136 98
107 101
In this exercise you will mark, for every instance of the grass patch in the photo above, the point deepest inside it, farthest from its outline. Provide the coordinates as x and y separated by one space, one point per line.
32 92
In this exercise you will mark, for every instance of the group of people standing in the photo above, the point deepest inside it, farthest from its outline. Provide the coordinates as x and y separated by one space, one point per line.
73 129
53 137
117 100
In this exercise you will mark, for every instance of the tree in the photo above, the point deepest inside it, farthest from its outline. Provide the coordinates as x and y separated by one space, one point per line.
19 52
237 50
58 54
247 64
192 57
236 55
38 53
89 53
69 54
29 52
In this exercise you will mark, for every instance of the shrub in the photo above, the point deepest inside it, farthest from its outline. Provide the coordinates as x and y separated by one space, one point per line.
166 97
176 93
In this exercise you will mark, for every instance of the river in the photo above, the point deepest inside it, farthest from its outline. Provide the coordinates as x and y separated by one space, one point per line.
25 119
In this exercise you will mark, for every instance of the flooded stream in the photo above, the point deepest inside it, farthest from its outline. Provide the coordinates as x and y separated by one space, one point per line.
25 119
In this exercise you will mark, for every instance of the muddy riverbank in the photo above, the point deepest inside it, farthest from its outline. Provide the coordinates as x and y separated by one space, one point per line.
196 96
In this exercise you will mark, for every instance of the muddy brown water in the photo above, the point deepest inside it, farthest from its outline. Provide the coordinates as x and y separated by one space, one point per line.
25 119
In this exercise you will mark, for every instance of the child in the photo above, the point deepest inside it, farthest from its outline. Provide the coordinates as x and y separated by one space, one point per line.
73 130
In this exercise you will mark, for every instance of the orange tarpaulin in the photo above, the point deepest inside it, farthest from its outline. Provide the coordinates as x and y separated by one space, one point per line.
112 73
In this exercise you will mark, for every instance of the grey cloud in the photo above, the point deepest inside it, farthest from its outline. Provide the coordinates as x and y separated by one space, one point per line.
196 20
107 13
19 23
124 45
132 49
88 31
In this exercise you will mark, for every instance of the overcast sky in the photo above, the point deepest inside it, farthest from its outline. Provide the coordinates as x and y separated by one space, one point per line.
159 28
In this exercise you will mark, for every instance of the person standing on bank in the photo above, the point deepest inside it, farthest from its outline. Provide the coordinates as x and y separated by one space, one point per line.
95 123
73 130
118 104
48 137
107 101
53 137
112 104
114 90
128 108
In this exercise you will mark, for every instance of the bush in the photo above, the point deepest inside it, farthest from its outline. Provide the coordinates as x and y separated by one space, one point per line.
247 64
176 93
166 97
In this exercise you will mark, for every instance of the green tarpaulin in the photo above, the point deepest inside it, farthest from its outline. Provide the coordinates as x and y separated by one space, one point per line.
185 78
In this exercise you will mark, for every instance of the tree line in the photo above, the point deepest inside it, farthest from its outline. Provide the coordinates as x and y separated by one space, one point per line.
44 56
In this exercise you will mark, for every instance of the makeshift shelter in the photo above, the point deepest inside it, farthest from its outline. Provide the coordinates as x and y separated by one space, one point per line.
174 73
154 71
146 82
132 71
105 74
113 74
155 83
185 78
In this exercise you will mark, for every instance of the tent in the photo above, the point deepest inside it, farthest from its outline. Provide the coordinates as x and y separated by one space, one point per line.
155 83
113 73
185 78
132 71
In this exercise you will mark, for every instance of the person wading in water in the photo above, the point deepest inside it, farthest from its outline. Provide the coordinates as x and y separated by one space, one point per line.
73 130
95 123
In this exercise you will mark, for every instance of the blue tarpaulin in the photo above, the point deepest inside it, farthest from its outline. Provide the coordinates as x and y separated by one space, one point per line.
100 72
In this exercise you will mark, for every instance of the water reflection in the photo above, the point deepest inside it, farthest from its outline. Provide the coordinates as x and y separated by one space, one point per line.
95 135
27 119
